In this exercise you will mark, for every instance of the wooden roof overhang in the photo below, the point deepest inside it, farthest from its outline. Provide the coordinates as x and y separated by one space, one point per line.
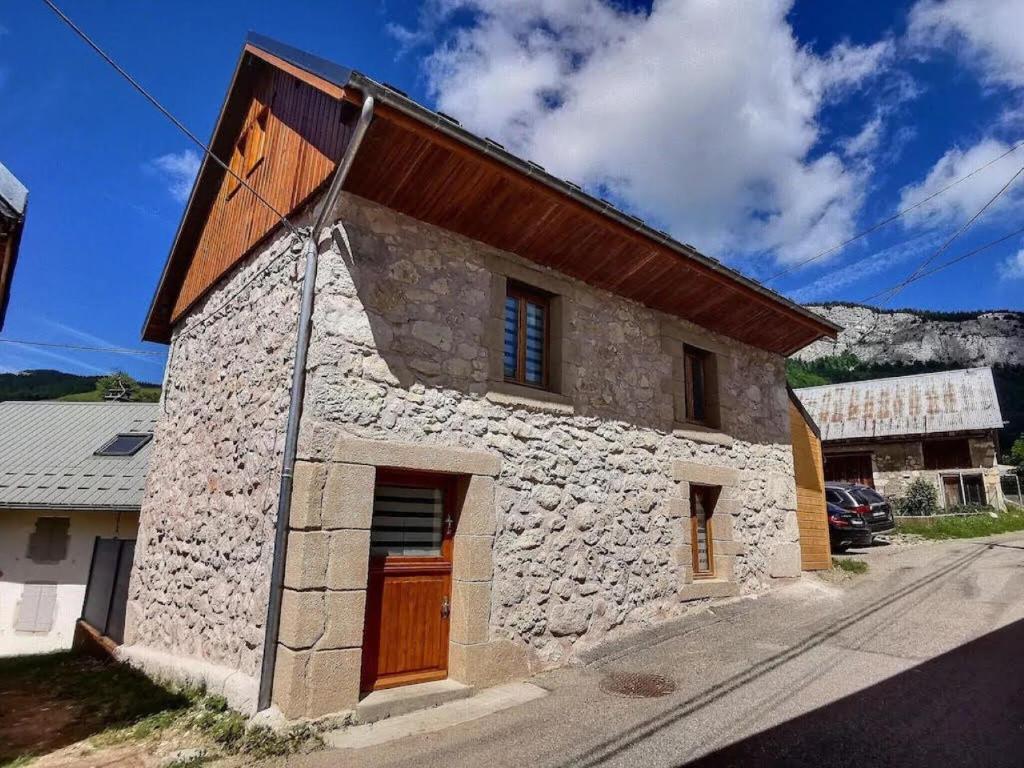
424 165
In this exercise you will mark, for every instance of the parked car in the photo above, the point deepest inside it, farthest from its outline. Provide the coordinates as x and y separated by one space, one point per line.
872 506
846 529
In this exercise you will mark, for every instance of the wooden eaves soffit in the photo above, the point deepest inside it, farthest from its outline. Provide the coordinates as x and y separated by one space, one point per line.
425 165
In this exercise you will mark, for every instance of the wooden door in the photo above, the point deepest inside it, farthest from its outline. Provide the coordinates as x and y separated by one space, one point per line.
405 637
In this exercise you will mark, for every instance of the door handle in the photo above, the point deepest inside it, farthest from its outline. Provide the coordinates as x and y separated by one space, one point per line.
446 608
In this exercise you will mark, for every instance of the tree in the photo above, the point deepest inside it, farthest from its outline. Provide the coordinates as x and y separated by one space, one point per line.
1017 455
118 386
920 499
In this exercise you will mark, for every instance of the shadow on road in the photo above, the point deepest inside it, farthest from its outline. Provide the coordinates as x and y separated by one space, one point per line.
964 708
622 742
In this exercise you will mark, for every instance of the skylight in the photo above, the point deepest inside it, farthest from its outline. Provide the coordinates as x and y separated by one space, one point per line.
125 444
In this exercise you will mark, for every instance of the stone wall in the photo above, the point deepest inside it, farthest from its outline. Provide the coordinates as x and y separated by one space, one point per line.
591 534
201 574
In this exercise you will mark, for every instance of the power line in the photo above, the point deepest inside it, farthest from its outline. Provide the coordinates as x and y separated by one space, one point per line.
918 273
165 112
878 225
955 260
80 348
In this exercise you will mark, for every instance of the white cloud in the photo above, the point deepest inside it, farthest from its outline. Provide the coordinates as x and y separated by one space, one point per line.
864 142
179 172
965 199
1012 268
702 116
987 31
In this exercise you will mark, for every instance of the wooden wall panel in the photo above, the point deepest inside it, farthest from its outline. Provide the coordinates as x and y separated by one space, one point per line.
305 137
812 518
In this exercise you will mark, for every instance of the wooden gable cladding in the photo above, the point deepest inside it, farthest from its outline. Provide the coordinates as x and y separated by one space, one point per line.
305 134
405 166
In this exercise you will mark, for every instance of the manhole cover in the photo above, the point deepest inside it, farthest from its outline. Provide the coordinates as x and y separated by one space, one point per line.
637 685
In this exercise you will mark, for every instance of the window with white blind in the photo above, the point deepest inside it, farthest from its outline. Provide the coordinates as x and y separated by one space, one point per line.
407 521
36 608
48 543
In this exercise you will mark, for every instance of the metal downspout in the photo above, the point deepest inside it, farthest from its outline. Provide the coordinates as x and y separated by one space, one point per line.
284 502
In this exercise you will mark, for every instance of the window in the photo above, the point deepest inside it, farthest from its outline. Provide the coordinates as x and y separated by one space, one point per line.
946 454
408 520
702 503
963 489
525 354
850 468
697 380
48 543
248 152
125 444
36 608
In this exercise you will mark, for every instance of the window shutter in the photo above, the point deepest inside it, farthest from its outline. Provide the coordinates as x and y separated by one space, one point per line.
48 543
36 609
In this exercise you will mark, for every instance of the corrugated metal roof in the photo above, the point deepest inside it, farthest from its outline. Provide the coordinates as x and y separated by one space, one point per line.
46 454
928 403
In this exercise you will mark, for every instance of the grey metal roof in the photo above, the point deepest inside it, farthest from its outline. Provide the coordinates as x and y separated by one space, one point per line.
46 454
924 404
13 194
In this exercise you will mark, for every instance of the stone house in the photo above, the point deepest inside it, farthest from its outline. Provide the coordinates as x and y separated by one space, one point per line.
528 420
939 426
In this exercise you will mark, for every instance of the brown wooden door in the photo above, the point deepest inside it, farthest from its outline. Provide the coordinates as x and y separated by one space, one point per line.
405 636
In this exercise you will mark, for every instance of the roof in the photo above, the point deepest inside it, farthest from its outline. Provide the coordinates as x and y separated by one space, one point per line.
13 202
426 165
924 404
46 454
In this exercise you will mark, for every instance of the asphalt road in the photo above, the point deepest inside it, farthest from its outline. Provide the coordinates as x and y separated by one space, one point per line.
918 663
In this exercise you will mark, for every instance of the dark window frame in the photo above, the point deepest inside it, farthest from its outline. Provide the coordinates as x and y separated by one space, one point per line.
695 358
526 295
710 497
104 451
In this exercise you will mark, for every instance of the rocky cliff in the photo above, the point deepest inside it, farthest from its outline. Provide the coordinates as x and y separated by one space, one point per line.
956 339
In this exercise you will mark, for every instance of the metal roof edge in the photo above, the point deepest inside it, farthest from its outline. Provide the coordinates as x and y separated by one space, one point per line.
72 507
926 374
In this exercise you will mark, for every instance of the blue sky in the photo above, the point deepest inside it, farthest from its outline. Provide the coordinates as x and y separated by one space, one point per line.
762 138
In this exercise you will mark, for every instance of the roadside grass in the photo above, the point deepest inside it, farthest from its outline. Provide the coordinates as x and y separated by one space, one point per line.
112 704
849 564
985 523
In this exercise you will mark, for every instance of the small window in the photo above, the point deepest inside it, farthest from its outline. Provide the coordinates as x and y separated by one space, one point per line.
526 336
48 543
248 152
125 444
36 608
696 379
702 503
410 518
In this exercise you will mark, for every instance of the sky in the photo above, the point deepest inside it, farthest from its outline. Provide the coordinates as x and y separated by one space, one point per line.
764 133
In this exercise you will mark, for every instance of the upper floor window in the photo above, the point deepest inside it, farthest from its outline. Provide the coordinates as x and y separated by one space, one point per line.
525 354
249 150
697 379
947 454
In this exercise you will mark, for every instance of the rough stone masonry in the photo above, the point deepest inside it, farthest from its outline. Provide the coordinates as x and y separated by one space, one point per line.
590 498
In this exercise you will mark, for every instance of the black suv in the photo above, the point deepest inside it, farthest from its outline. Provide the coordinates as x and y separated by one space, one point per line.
866 502
846 529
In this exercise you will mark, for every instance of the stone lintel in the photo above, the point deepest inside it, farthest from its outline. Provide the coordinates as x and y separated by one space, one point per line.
416 456
703 474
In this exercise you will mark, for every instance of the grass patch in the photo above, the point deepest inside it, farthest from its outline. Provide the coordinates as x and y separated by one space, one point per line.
112 704
986 522
849 564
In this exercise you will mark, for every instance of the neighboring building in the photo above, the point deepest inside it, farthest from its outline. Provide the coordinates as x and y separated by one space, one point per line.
939 426
811 511
529 420
72 477
13 203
